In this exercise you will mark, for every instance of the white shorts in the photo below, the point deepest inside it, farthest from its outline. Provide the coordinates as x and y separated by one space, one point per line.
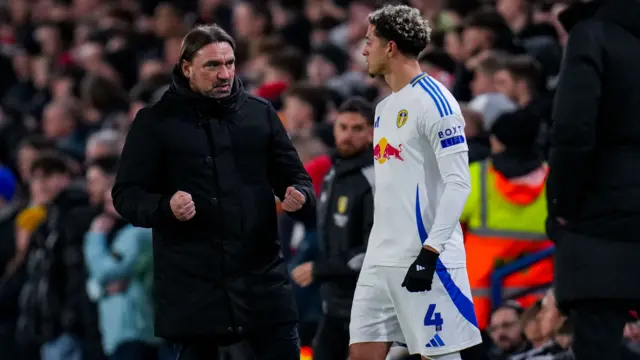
431 323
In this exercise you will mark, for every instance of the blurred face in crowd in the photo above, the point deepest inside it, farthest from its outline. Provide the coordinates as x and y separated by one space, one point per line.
507 84
19 10
172 50
352 133
48 186
166 21
298 114
21 65
510 9
320 70
549 316
475 40
40 72
377 52
96 149
245 23
453 45
505 329
151 67
97 184
212 70
26 157
57 122
49 39
62 87
532 331
482 83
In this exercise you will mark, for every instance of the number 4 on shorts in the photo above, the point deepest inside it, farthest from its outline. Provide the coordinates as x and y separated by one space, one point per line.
433 318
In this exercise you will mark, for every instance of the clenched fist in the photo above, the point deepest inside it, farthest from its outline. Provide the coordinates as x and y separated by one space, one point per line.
293 200
182 206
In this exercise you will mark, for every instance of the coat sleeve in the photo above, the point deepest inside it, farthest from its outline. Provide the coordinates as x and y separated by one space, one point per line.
285 168
133 193
575 113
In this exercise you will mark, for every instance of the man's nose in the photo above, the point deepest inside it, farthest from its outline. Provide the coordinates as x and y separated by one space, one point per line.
224 74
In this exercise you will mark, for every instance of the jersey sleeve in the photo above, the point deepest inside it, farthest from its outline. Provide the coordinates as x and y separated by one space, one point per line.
445 134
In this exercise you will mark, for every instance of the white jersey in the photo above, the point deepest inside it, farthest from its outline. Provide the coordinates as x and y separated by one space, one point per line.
413 128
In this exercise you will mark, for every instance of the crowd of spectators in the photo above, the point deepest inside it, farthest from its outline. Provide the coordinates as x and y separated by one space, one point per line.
75 72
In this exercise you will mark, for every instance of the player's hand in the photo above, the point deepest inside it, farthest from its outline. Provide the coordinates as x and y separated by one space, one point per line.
420 274
182 206
303 274
293 200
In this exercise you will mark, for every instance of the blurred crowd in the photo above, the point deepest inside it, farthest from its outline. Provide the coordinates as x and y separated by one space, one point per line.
75 72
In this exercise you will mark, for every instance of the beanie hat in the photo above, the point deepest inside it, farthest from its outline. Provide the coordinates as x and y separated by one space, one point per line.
8 184
517 130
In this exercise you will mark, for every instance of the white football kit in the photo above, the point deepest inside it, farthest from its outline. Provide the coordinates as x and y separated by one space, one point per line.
421 185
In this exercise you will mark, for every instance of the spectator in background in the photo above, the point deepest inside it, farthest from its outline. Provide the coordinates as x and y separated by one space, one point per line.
531 326
9 208
304 106
487 98
28 151
593 212
505 330
506 210
52 318
60 124
281 71
119 261
345 218
518 78
477 137
103 143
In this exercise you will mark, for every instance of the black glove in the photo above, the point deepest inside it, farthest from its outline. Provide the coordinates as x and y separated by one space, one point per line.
420 274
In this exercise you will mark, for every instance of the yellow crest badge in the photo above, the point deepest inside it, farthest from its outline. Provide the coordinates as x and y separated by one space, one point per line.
343 201
403 116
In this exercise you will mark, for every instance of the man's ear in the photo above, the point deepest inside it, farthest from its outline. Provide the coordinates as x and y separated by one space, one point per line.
392 48
185 66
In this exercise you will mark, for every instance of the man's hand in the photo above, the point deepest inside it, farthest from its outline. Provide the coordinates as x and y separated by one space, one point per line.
303 274
182 206
293 200
420 274
102 224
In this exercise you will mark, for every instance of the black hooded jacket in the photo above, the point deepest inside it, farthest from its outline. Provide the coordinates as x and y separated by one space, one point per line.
594 179
220 273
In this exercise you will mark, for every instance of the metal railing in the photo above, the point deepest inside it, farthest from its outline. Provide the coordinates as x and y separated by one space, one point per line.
498 276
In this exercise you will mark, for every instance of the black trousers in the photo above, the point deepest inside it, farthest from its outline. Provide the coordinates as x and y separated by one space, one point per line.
598 327
332 339
279 342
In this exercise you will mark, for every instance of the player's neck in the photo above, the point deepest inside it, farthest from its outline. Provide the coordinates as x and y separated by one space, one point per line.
401 74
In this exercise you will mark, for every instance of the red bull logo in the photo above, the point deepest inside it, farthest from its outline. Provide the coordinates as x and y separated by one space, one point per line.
384 151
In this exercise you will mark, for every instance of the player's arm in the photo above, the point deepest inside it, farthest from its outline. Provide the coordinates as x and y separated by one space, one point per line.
446 137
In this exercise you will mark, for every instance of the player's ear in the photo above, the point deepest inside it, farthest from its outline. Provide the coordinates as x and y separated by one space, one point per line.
392 47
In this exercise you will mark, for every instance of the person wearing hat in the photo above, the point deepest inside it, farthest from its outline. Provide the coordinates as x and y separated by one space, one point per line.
506 211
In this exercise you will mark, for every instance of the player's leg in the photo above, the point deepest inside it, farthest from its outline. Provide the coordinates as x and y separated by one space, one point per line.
374 324
438 322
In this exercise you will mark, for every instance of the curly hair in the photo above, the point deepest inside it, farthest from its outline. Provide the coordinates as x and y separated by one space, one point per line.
403 25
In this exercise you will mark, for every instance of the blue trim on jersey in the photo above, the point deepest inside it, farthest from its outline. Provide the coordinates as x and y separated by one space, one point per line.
439 92
446 109
433 96
460 301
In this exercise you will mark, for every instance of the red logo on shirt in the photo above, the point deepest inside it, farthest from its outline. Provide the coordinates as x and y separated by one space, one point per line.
384 151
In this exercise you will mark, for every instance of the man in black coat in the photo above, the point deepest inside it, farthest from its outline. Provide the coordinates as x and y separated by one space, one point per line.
594 196
201 168
345 218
